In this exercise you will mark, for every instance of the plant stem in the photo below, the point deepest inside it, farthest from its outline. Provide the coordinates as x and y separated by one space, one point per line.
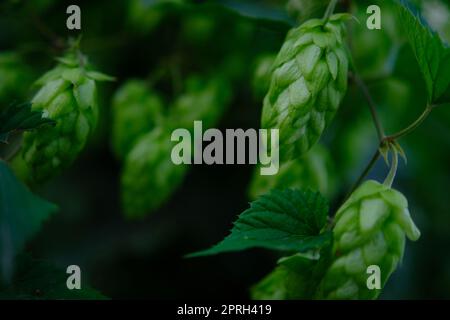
371 103
366 171
393 171
330 10
389 139
413 125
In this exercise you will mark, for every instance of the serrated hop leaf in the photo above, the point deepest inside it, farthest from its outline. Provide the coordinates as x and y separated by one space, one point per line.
369 229
205 99
136 111
67 95
149 176
312 170
308 83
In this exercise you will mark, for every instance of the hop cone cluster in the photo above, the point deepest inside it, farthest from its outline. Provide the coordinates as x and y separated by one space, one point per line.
370 230
136 111
308 83
149 176
67 95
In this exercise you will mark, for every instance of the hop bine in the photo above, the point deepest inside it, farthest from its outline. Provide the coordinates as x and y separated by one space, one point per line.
309 80
67 95
369 230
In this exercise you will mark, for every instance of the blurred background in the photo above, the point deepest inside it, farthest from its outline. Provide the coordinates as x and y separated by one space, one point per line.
124 258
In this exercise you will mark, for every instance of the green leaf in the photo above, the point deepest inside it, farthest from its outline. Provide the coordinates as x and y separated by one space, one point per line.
41 280
289 220
257 11
20 117
432 54
21 216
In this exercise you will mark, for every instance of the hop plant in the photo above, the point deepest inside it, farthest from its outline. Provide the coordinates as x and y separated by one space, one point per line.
149 176
309 171
67 95
308 83
136 111
369 229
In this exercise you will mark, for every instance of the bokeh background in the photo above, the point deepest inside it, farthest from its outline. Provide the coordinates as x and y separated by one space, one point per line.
123 258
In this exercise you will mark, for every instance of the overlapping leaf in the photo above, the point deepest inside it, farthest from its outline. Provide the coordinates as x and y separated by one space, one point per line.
432 54
289 220
20 117
21 216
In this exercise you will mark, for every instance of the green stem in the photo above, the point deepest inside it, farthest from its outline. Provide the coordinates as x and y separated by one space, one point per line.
413 125
393 171
373 109
330 10
366 171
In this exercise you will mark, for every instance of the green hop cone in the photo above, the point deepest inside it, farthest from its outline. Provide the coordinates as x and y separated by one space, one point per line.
295 277
136 111
67 95
369 229
308 83
280 284
205 99
312 170
149 176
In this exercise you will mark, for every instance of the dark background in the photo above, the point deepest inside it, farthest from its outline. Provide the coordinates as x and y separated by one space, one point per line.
144 258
